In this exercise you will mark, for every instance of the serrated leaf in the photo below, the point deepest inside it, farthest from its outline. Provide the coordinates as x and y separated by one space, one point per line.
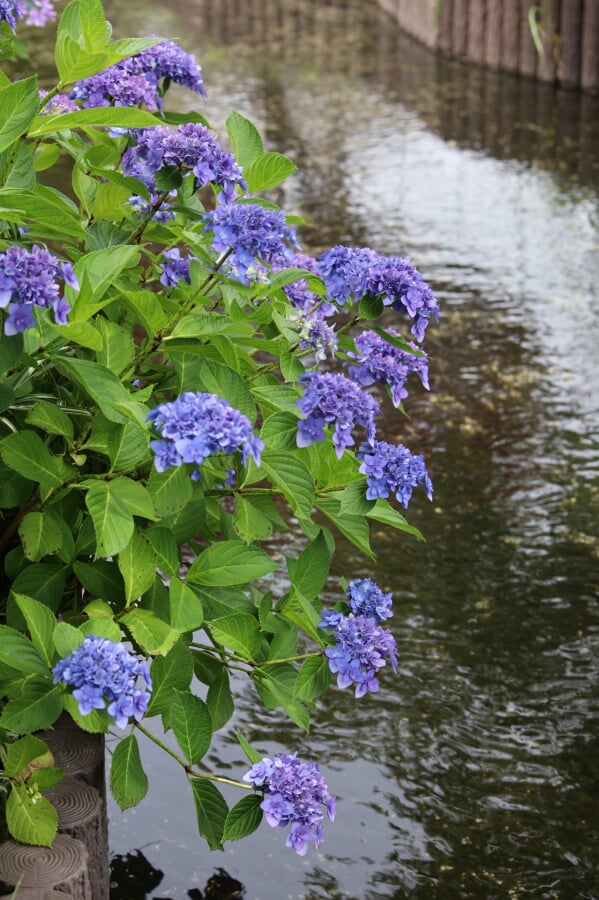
250 523
310 570
192 725
137 565
21 753
19 653
239 632
152 634
219 700
354 528
30 821
95 722
40 624
128 781
279 431
353 500
169 673
135 496
304 613
243 818
39 536
292 477
186 610
38 707
66 638
244 137
211 811
313 679
50 418
230 563
113 523
105 389
254 756
383 512
105 116
19 103
267 171
26 453
170 491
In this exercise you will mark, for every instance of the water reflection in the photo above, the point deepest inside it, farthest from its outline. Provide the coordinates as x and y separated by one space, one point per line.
475 773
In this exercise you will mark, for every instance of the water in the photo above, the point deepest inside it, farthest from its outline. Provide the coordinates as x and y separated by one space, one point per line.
475 772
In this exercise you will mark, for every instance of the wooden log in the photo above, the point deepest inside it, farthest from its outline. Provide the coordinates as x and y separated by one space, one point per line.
547 67
589 65
61 867
459 36
34 894
510 35
570 43
476 31
493 33
445 33
77 751
81 816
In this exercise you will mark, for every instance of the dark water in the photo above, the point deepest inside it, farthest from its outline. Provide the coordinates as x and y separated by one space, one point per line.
475 772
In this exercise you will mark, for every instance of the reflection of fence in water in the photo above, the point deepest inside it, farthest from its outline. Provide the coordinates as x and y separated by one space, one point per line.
475 106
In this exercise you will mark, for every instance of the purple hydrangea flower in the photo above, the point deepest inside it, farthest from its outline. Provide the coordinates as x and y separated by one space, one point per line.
360 271
315 334
38 12
393 469
58 104
255 235
11 11
136 80
361 648
295 794
195 426
367 599
334 400
105 674
174 268
31 278
190 148
382 362
143 207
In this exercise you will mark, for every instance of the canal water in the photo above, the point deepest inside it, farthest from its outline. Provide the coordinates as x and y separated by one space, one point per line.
474 773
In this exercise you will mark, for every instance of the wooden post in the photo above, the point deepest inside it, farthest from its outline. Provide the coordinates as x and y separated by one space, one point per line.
528 56
510 35
459 36
476 31
570 43
589 69
63 867
445 32
493 33
547 68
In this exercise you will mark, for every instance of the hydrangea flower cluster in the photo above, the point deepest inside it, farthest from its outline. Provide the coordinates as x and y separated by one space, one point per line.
360 271
32 12
367 599
31 278
362 647
136 80
190 148
295 794
393 469
256 236
59 104
195 426
174 268
334 400
382 362
105 673
315 334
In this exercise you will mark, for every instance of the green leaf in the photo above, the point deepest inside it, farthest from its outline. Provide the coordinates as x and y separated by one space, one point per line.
281 397
29 820
170 673
170 491
245 139
118 349
186 610
101 579
383 512
104 388
353 499
239 632
26 453
250 523
45 208
135 497
39 536
151 633
95 31
243 818
38 707
66 638
40 624
313 679
211 811
128 781
166 549
291 476
192 725
19 653
137 565
45 581
127 447
51 418
230 563
224 382
371 307
96 722
304 613
21 173
23 752
354 528
19 102
310 570
254 756
279 431
268 170
113 523
219 700
98 270
276 687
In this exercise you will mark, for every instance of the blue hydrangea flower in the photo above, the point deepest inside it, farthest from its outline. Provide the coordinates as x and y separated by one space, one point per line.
174 268
295 794
10 11
57 105
105 674
361 648
32 278
136 81
195 426
255 235
367 599
33 12
141 206
335 401
191 148
360 271
314 333
386 364
393 469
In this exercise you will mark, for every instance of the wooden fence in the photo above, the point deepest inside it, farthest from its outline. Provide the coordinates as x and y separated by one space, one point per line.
497 33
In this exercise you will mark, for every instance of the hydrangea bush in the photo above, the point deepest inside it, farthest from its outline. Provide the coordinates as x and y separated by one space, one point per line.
179 382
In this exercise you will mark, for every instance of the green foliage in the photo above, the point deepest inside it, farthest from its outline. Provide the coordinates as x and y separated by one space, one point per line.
95 540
